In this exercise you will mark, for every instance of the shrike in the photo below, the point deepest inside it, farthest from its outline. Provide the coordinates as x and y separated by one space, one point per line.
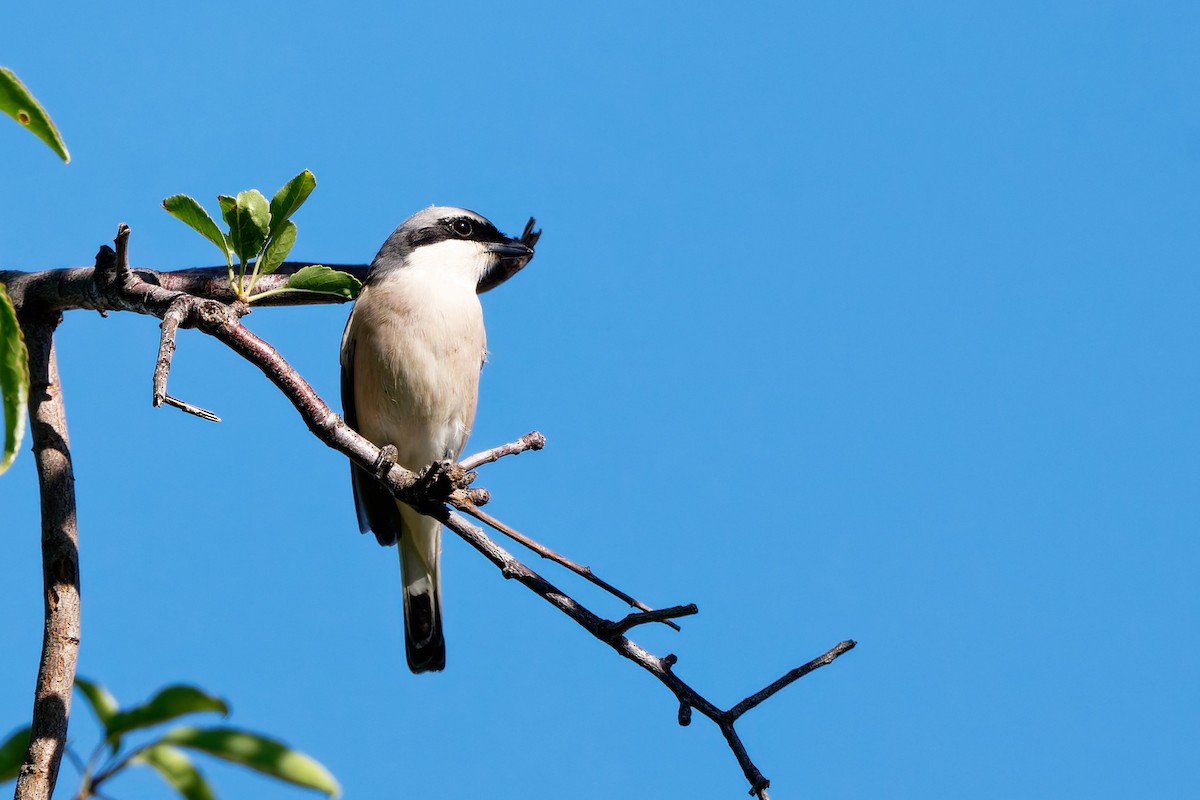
411 356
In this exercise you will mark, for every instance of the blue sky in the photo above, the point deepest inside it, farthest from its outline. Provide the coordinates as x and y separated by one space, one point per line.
855 321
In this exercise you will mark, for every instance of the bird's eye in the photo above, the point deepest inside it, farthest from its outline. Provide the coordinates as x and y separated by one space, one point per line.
462 227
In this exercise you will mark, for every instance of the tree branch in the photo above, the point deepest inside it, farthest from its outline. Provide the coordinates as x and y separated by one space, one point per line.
78 288
530 441
111 284
60 562
429 493
126 289
464 504
822 660
222 323
631 621
166 351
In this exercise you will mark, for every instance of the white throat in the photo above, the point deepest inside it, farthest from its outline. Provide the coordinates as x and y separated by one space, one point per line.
449 263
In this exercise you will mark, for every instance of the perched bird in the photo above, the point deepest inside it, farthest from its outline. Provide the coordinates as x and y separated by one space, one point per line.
411 356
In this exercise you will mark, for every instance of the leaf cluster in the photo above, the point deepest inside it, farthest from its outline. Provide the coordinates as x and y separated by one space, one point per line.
260 236
168 755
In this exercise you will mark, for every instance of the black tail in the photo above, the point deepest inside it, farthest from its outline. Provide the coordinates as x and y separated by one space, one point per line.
423 641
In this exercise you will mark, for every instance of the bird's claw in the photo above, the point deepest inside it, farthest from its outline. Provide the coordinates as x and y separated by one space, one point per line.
385 462
439 479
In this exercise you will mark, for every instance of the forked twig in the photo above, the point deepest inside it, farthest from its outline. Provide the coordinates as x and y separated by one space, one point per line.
545 552
174 316
621 627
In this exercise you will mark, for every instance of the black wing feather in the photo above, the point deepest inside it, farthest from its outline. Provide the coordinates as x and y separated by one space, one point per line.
374 505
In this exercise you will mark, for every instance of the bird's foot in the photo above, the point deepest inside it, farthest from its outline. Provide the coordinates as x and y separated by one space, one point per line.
387 459
439 479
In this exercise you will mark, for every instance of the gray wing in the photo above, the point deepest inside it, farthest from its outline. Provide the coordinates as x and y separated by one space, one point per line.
375 507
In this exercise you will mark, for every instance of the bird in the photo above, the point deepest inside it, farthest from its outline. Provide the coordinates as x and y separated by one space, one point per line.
411 356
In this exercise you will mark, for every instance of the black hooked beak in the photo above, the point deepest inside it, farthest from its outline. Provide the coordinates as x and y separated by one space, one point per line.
513 248
513 254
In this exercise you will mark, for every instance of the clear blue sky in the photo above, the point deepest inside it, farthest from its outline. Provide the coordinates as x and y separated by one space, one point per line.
848 322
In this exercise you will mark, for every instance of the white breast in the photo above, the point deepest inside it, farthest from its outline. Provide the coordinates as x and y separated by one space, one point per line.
418 347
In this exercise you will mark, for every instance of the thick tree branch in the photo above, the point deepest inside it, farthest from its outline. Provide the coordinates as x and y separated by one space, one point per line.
78 287
60 562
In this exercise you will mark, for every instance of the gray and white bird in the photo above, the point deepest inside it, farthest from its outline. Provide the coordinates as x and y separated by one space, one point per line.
411 356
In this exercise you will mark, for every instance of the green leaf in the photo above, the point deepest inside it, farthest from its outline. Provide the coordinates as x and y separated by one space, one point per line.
12 754
288 199
249 219
171 702
190 212
100 699
324 280
18 103
258 753
279 248
176 769
14 379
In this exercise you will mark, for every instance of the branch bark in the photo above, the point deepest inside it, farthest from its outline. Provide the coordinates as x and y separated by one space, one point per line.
60 562
78 288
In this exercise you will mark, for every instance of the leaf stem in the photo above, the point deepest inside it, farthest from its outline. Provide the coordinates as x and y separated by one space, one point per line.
115 767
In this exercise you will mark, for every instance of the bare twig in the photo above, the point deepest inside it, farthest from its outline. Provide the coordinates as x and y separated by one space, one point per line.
202 413
461 502
60 563
621 627
823 660
166 348
175 314
530 441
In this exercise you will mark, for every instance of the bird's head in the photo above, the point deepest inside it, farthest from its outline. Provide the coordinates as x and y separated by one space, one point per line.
458 242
